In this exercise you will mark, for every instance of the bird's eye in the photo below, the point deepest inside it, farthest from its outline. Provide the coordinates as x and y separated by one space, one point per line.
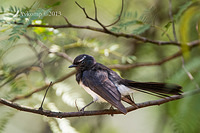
82 62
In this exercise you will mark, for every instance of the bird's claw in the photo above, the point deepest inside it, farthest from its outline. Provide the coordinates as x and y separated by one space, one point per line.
82 110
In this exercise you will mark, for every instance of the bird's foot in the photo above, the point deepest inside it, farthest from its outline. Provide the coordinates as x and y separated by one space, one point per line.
111 108
82 110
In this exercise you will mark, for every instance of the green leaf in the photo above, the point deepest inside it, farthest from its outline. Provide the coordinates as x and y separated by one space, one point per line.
2 9
6 115
149 15
34 3
135 14
167 27
114 47
14 38
188 32
128 59
56 4
141 29
11 9
16 9
115 29
181 10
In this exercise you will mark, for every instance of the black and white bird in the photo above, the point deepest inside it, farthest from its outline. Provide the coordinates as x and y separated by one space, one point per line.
105 85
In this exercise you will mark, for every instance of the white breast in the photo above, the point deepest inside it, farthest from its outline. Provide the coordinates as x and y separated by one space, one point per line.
95 96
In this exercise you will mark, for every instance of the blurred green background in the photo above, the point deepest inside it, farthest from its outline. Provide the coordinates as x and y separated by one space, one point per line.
26 65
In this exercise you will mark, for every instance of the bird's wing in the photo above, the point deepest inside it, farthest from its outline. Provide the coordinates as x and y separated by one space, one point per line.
99 82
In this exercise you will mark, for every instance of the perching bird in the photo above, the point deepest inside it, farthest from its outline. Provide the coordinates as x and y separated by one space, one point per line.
105 85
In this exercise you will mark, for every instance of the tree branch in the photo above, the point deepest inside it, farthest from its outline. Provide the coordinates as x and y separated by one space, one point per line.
104 29
85 113
177 54
137 37
107 31
97 112
129 66
143 39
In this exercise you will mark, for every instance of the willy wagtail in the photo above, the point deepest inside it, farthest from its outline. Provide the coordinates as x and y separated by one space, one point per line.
105 85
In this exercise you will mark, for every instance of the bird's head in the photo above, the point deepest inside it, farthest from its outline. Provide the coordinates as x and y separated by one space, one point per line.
83 62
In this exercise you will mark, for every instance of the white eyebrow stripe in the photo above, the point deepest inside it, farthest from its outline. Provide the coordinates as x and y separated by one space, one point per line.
82 59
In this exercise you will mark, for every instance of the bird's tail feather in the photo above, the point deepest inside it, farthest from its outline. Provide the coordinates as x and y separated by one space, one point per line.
155 88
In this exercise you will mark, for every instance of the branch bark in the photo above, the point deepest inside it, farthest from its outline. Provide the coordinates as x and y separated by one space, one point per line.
85 113
137 37
129 66
96 112
177 54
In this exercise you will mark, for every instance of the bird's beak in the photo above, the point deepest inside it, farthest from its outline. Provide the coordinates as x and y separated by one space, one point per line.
72 66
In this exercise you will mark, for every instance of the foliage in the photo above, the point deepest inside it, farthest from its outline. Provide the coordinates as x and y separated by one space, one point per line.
30 57
189 25
6 115
183 118
131 20
20 18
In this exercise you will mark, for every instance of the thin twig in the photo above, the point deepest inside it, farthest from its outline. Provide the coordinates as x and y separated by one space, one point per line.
95 19
76 105
172 20
87 16
95 9
41 106
67 20
190 76
119 17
